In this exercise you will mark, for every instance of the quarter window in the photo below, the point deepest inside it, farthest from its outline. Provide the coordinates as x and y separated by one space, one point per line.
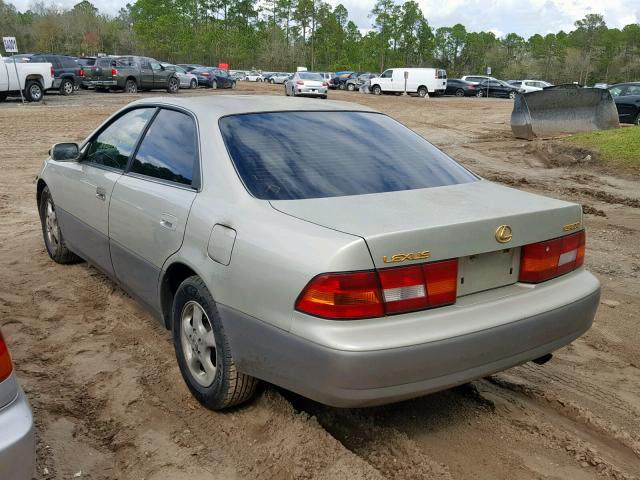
114 145
169 149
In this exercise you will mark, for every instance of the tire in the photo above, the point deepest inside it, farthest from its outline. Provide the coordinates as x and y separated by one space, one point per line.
233 85
260 80
33 91
66 87
480 93
51 233
636 121
286 92
323 97
214 84
131 86
3 97
422 92
459 92
341 86
351 87
271 81
174 85
512 95
193 84
376 90
202 349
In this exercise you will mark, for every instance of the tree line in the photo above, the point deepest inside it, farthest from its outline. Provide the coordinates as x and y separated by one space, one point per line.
278 35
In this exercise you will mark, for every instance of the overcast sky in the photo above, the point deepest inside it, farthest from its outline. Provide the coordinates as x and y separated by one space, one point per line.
525 17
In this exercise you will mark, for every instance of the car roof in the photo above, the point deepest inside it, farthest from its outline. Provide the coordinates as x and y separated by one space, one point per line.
217 106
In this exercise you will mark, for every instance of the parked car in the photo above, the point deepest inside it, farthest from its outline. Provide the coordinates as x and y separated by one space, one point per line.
279 77
238 75
131 73
309 84
421 81
190 66
627 98
526 86
254 76
354 82
476 78
213 77
32 79
337 79
187 80
351 306
460 88
495 88
67 72
17 442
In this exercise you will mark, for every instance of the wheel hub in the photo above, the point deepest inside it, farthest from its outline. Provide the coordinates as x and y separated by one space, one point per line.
198 343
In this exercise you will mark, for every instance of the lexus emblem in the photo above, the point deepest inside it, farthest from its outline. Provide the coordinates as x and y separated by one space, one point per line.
503 234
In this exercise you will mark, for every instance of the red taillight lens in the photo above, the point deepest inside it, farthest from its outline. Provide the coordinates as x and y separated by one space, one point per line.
81 73
205 74
370 294
549 259
53 72
114 72
5 360
299 82
342 296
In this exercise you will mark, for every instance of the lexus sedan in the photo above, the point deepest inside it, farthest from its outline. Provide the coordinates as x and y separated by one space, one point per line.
212 77
187 80
627 98
495 88
460 88
17 441
309 84
320 246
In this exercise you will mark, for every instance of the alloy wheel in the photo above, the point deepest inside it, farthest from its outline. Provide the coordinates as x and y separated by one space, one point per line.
51 225
198 343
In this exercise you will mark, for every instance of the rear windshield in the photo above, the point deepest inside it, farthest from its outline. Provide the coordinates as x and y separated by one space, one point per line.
296 155
310 76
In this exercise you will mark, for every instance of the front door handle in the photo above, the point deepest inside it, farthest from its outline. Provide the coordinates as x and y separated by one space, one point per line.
101 193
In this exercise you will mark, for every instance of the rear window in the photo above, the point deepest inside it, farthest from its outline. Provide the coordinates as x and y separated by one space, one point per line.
310 76
296 155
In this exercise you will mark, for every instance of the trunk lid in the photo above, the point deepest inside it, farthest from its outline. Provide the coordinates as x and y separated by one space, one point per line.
458 221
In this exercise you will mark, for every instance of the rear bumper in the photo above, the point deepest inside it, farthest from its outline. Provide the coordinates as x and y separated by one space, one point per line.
17 444
353 377
313 92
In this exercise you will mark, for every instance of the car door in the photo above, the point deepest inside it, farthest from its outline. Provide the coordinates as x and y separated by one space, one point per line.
82 190
160 75
151 202
146 73
385 81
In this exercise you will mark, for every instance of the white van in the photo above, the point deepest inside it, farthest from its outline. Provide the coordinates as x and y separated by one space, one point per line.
419 80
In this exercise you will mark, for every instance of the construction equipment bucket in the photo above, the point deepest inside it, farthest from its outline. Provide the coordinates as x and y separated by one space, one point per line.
563 109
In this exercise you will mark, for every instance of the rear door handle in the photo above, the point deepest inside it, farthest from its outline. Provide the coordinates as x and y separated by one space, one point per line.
168 221
101 193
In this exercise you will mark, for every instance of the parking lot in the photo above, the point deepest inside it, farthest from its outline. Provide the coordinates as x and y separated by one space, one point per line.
109 400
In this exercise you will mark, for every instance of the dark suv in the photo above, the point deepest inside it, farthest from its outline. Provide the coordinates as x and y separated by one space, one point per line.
68 74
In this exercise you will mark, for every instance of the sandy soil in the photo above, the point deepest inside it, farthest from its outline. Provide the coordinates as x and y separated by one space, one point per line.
110 403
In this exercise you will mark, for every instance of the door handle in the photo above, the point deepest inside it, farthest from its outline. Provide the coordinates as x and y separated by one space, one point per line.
168 221
101 193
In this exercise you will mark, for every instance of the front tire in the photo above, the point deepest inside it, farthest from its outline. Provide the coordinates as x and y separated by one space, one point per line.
637 120
33 91
512 95
351 87
202 349
376 90
53 239
66 87
173 86
480 94
459 92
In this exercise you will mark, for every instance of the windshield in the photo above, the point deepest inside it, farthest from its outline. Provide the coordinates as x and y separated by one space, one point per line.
296 155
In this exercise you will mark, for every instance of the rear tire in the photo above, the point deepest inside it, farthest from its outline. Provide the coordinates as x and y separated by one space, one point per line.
53 239
512 95
203 351
66 87
637 120
193 84
214 84
3 97
422 92
33 91
131 86
351 87
233 85
480 94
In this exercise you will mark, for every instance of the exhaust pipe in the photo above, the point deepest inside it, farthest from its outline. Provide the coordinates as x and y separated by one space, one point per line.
543 359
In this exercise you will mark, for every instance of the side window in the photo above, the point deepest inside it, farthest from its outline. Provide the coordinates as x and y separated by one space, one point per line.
169 149
633 90
114 145
387 74
155 66
615 91
144 63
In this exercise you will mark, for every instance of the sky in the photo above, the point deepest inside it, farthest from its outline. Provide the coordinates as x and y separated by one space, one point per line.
524 17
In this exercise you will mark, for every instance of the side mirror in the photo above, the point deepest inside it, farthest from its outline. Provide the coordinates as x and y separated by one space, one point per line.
65 152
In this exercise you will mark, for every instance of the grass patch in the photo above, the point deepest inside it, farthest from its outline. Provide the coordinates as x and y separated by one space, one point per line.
616 146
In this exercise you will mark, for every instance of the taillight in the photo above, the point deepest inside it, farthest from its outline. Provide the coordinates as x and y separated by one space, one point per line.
114 72
53 72
348 296
552 258
342 296
299 82
81 72
205 74
5 360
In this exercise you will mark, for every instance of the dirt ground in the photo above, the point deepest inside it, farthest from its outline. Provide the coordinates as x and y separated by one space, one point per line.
110 403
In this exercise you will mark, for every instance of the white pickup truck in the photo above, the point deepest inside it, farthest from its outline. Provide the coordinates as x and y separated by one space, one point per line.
33 79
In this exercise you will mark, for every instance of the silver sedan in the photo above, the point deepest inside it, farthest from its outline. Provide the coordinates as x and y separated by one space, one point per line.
320 246
17 441
187 80
306 84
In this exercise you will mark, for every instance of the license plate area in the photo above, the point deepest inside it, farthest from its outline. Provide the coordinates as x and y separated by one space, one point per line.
485 271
